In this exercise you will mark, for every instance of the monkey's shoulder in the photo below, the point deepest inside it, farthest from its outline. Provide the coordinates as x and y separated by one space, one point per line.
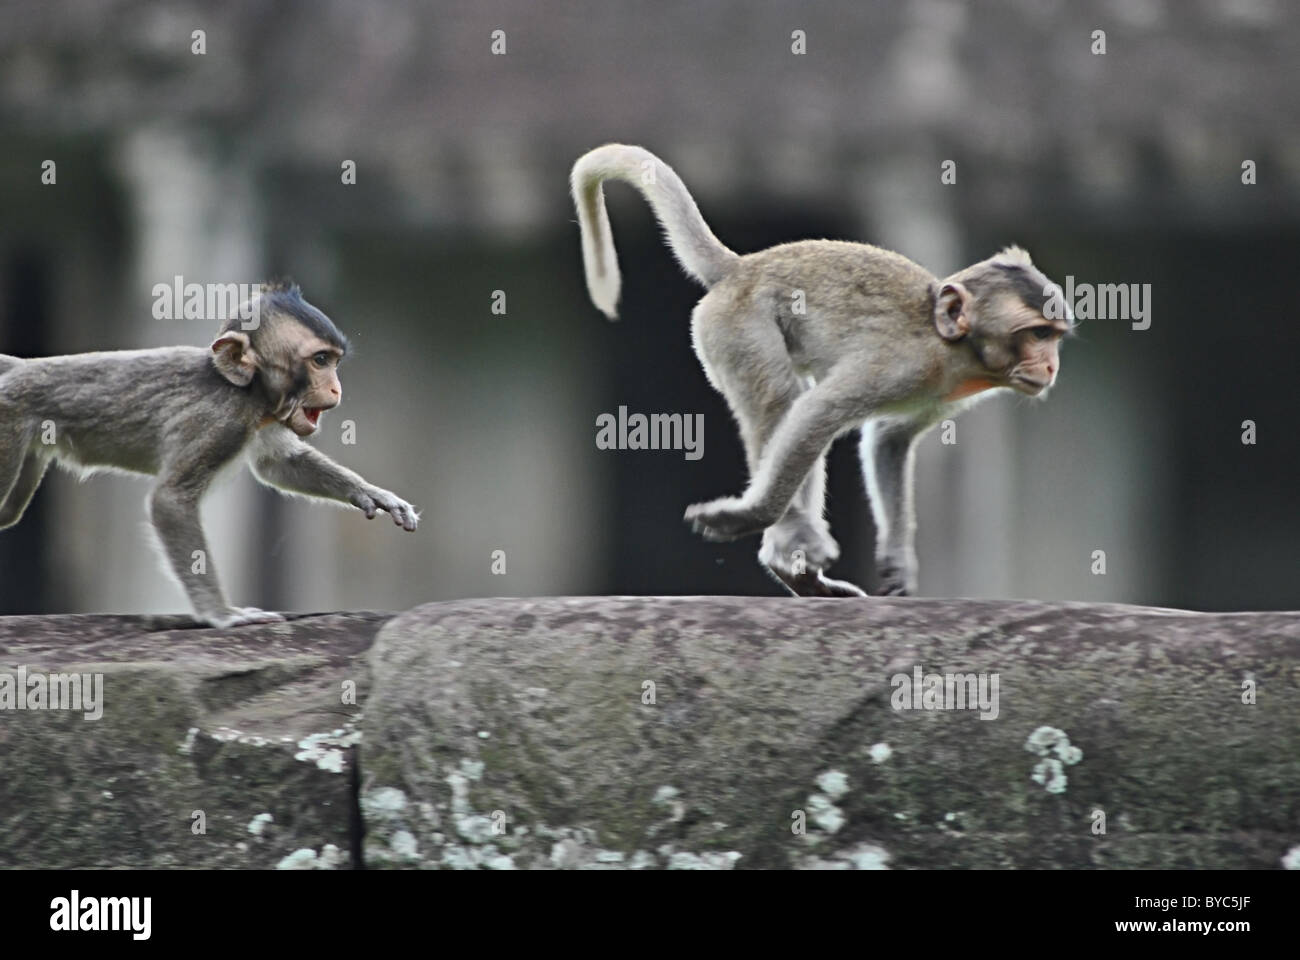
120 391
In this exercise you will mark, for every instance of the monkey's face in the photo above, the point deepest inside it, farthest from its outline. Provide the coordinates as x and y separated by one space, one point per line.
316 383
293 353
1001 304
1031 345
299 372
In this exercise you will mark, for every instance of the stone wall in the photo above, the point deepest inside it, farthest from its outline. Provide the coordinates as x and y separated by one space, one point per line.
685 732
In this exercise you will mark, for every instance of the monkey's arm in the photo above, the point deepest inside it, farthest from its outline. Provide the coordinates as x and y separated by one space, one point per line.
24 488
280 459
174 510
812 422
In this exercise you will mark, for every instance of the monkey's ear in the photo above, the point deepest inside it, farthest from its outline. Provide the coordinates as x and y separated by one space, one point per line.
952 311
232 355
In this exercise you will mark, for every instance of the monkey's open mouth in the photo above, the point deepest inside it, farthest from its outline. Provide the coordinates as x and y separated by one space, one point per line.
312 414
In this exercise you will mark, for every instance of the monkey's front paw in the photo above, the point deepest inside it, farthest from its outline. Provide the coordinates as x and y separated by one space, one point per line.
724 519
403 513
240 616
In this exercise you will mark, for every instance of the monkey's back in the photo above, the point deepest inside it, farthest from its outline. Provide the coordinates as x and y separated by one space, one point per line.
120 408
839 275
826 293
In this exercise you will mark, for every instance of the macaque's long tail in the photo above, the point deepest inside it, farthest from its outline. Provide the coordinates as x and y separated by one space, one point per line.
700 253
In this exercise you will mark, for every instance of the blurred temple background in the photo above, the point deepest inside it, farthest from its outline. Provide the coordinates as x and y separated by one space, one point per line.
226 165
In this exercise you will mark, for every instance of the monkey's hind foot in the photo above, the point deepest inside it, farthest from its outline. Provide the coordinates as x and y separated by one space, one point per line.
814 584
725 519
894 579
241 616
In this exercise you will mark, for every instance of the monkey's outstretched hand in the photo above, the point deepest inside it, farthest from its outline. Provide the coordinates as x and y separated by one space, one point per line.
375 498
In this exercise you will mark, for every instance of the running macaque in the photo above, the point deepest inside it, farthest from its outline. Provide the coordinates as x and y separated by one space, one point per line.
181 414
809 340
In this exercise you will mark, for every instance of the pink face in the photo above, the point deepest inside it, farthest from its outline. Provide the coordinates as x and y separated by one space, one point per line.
323 392
1036 343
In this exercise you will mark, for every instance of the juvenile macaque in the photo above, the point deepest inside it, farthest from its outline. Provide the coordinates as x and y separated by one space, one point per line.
809 340
181 414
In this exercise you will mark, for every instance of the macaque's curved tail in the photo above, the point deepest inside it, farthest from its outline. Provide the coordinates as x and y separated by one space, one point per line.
700 253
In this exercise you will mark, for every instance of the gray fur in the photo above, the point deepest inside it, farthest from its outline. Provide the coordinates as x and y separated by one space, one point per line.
170 413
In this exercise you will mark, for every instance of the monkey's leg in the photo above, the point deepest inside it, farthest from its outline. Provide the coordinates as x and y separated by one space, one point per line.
749 363
14 442
24 488
174 510
888 454
799 547
801 538
797 444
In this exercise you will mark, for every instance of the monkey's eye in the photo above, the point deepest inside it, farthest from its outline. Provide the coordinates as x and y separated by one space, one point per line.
321 359
1042 333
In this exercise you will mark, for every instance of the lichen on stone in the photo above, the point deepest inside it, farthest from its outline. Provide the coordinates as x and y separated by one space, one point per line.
188 744
666 796
833 783
863 856
1051 774
327 750
1050 771
384 802
824 813
1043 739
703 861
258 823
403 845
306 859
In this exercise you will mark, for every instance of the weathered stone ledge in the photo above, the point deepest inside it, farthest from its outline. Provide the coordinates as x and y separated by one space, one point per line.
611 732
